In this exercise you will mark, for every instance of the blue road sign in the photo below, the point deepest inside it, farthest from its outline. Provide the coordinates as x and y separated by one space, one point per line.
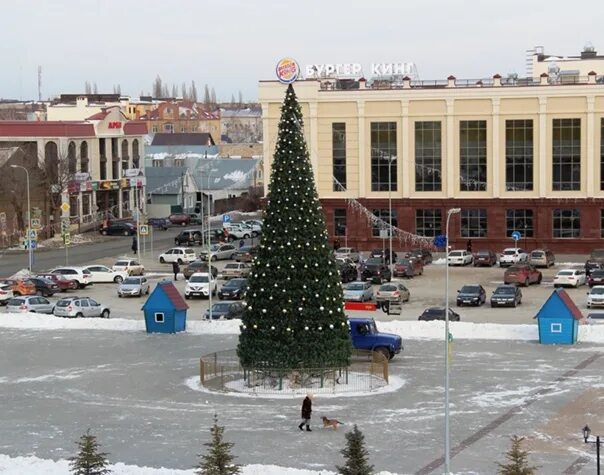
516 236
33 244
440 240
226 218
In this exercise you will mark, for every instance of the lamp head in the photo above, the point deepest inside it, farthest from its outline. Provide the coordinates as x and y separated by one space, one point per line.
586 432
454 211
14 166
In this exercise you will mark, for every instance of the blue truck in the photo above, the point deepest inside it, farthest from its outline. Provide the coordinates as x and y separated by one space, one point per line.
365 336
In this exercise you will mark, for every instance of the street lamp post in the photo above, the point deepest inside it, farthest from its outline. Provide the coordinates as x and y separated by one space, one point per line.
447 362
586 434
29 249
390 265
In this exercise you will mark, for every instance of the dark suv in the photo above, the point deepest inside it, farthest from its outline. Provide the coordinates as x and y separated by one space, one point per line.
188 237
119 229
198 266
595 261
382 254
375 270
348 272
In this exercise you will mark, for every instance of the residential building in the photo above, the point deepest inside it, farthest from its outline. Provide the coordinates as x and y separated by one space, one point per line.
182 117
564 69
241 125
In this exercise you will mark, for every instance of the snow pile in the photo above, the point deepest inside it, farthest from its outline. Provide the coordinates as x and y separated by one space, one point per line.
440 262
411 329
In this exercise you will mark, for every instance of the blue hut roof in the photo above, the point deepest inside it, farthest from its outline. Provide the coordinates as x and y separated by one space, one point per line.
559 304
170 293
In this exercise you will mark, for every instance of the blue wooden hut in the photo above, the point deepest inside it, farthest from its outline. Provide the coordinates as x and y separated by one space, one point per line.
165 310
559 319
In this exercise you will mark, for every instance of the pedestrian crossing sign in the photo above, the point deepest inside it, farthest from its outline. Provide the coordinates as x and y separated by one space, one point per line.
144 230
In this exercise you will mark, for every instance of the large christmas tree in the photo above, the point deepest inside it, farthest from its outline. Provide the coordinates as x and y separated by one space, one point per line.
294 316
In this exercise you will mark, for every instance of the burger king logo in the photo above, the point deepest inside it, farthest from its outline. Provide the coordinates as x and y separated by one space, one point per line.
287 71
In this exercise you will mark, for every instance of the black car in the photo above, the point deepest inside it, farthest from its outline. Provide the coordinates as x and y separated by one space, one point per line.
118 229
233 289
438 313
485 258
382 254
375 270
198 266
591 266
473 294
348 272
506 295
226 310
596 277
188 237
424 254
44 287
159 223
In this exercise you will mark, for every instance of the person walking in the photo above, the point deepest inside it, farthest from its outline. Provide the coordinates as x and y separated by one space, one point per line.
241 243
306 412
175 269
469 245
134 244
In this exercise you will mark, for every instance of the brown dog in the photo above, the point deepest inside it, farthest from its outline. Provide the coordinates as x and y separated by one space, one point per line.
330 423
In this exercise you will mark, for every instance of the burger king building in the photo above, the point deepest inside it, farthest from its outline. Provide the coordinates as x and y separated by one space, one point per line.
514 155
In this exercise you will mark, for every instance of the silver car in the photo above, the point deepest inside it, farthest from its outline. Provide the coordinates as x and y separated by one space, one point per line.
80 307
33 304
358 291
219 251
133 286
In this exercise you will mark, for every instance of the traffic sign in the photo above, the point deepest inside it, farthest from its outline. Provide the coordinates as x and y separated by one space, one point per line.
65 207
67 239
33 234
226 218
35 223
516 236
143 230
33 243
440 240
3 218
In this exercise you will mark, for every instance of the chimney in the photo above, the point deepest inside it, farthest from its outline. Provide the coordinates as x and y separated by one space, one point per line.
497 80
451 81
544 79
81 101
591 77
406 82
362 83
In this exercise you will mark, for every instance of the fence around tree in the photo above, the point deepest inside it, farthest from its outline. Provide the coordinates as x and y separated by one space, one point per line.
222 372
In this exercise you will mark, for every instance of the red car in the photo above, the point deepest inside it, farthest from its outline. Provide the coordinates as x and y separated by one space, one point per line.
485 258
522 275
180 219
63 282
407 267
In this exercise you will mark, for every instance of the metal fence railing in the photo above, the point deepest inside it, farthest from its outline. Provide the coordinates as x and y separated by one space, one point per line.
221 371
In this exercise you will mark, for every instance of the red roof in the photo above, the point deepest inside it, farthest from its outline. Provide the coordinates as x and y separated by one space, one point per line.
24 128
99 115
173 295
574 310
135 127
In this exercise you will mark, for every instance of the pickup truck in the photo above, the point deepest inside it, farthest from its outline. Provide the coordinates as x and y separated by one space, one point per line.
365 336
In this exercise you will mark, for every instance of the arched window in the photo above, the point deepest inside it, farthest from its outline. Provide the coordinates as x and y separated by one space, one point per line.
72 160
125 151
51 161
84 157
135 153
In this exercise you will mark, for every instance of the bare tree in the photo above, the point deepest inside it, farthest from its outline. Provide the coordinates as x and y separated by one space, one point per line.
87 87
232 99
95 88
157 89
193 92
184 92
206 95
240 99
117 89
164 91
213 97
174 91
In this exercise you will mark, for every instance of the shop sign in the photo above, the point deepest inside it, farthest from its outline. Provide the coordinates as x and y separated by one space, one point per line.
287 70
73 187
356 69
115 185
115 125
94 186
132 172
35 223
105 185
124 182
81 176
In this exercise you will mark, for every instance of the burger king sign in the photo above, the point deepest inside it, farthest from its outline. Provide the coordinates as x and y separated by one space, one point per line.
287 70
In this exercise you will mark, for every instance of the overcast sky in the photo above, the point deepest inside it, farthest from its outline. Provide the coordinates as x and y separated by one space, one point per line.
231 44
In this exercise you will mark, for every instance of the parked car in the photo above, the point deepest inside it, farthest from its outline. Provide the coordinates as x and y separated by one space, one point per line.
460 258
195 218
137 286
348 272
180 219
234 289
472 294
512 255
78 307
159 223
236 269
217 236
382 254
44 287
103 274
226 310
438 313
79 274
570 277
20 286
246 254
33 304
596 278
595 260
392 292
365 336
198 285
408 267
253 226
129 266
506 296
484 258
595 296
178 254
199 266
595 318
424 254
219 252
61 280
542 258
119 228
359 291
238 231
522 274
349 252
375 270
190 237
6 293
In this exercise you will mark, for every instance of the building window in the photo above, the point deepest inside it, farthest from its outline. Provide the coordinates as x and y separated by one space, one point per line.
520 220
602 154
473 155
179 162
519 155
427 222
339 222
168 128
428 164
114 149
602 223
154 129
473 223
566 154
84 157
383 156
567 223
556 328
159 317
338 144
384 215
86 203
158 163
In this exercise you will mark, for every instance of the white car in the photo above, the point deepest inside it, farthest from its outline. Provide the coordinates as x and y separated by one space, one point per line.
78 307
6 294
460 258
130 266
198 285
348 252
238 231
255 226
178 254
102 274
570 277
33 304
79 274
512 255
595 297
